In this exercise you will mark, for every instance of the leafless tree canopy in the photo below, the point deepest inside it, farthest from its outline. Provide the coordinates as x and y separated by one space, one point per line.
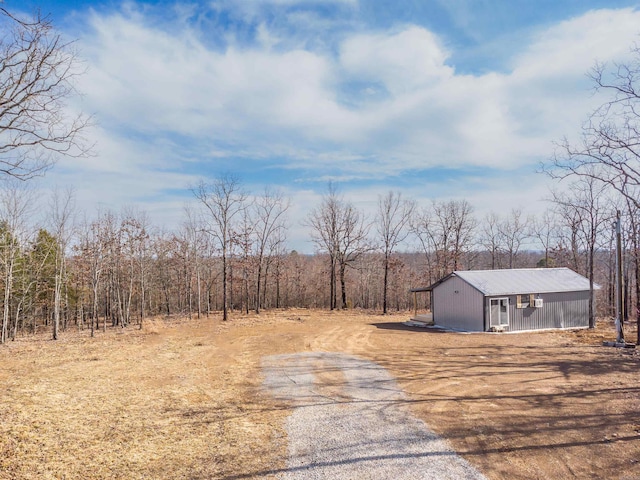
513 231
231 254
37 72
609 150
223 201
392 224
588 212
445 231
270 211
608 153
341 231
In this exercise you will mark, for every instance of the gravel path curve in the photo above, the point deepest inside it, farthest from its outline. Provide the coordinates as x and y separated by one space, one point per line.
349 422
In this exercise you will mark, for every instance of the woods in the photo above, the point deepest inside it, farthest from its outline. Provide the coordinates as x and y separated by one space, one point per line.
231 254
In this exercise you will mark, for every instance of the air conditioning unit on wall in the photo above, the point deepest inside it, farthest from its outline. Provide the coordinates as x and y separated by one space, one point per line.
538 303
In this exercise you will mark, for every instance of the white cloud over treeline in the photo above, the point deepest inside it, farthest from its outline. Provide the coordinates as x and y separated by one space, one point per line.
370 104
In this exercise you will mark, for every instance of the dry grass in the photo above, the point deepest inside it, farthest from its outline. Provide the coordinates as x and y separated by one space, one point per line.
183 398
165 402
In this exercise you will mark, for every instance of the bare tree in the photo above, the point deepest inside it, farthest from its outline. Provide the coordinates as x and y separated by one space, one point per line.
61 216
446 231
544 230
161 250
513 232
609 149
276 261
352 242
587 208
324 233
135 238
392 225
490 237
633 214
31 272
339 230
195 239
243 238
37 73
223 200
568 245
142 251
92 249
423 228
270 216
15 207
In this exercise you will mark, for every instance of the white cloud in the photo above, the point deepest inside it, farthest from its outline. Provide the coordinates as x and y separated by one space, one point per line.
405 61
147 80
571 47
152 89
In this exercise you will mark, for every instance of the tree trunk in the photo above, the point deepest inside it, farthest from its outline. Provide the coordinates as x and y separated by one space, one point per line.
224 284
333 300
278 287
246 292
7 298
385 284
94 310
199 287
259 280
56 305
142 299
187 286
17 317
265 277
592 313
343 286
637 269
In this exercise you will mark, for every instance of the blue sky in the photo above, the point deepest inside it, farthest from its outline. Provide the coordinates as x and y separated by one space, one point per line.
439 99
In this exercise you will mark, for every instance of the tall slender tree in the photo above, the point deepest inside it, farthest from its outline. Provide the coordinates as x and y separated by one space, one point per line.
270 219
633 214
323 222
62 209
353 242
16 202
587 207
513 231
544 230
392 225
490 238
340 231
223 200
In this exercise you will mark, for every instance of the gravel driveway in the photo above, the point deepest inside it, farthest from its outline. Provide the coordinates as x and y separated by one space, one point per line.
350 422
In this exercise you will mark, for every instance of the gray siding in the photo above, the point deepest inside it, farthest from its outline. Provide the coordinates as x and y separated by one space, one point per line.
560 310
458 305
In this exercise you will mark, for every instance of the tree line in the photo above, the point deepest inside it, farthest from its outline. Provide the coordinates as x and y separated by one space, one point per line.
231 254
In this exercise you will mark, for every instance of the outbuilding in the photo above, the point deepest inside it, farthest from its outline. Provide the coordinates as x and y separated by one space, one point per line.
510 300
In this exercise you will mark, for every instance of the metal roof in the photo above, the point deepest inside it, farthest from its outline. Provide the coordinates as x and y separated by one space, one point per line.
524 280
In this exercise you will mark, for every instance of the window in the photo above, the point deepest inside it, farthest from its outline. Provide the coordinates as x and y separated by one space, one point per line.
524 301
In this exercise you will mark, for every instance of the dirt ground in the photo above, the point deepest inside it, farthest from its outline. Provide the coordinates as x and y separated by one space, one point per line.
184 398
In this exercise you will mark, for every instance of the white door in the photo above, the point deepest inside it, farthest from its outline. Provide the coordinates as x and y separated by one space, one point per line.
499 312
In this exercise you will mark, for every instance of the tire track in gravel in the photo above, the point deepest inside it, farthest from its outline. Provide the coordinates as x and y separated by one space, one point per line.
350 421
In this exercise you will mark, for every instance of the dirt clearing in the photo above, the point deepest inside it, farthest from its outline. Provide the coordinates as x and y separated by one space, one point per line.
184 399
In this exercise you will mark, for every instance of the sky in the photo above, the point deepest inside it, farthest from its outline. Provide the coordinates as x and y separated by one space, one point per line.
437 99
